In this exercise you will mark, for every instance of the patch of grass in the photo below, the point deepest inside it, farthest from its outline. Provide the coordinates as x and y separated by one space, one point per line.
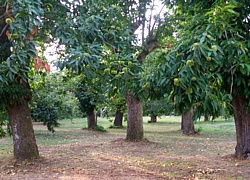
6 146
166 129
48 138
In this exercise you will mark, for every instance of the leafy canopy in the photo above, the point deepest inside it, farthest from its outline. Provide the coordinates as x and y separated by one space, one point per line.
210 61
84 32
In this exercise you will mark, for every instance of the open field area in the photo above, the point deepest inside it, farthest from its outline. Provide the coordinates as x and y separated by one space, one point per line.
73 153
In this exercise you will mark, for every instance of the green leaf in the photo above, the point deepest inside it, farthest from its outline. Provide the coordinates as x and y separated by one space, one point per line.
233 12
8 62
203 51
13 70
202 39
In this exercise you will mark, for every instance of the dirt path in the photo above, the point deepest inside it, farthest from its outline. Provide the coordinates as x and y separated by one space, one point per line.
120 160
106 156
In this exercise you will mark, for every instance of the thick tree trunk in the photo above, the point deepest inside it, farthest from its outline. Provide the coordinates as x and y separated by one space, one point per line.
187 123
91 120
118 117
22 130
135 118
153 118
242 120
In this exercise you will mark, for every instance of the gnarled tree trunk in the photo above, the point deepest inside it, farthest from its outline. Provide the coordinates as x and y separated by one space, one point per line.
242 120
118 117
92 122
187 123
135 119
22 130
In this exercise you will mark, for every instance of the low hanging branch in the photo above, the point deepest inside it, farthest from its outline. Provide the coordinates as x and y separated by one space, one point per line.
153 44
28 37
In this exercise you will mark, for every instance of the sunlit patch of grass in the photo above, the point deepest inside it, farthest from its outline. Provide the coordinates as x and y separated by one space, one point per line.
218 128
166 131
208 142
6 146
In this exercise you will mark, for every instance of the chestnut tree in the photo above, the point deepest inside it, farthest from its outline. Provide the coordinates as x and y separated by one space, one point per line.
209 66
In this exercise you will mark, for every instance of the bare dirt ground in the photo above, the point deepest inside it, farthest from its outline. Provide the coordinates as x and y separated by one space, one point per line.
106 156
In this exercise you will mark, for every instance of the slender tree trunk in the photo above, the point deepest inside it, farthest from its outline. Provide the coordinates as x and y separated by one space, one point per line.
22 130
153 118
242 120
182 123
9 129
96 116
206 117
135 118
188 125
91 120
118 117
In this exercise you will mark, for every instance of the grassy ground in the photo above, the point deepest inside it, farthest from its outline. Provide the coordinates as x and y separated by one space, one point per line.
73 153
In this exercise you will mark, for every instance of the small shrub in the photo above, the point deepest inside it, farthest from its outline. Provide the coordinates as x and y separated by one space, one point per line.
84 128
198 129
45 111
3 121
115 127
100 129
2 132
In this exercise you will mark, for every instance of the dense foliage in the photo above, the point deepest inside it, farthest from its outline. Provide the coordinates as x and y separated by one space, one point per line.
159 107
210 59
87 101
3 122
15 63
53 99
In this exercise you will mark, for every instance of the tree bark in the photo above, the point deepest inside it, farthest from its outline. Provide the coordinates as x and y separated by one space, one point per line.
25 147
187 123
242 120
150 47
118 117
91 120
3 36
135 118
153 118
